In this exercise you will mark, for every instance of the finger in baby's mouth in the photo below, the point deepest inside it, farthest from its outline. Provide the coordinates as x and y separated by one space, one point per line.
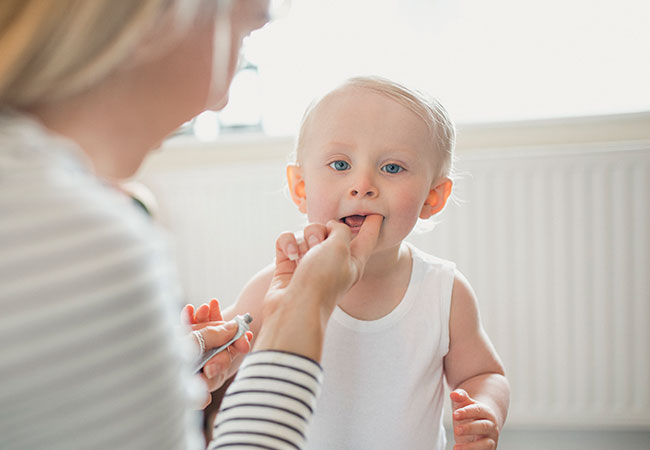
353 221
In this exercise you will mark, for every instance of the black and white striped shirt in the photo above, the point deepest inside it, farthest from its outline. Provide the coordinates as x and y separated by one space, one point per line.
88 358
270 402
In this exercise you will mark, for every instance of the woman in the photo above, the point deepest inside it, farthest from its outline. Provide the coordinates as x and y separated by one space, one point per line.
88 357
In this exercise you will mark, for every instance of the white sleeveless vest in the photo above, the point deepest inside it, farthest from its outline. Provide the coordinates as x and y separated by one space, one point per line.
383 379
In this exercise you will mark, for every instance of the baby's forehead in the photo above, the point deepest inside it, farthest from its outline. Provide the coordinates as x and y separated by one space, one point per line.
343 95
350 112
363 100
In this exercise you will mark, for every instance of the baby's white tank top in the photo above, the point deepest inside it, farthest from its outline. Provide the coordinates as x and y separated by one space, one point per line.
383 379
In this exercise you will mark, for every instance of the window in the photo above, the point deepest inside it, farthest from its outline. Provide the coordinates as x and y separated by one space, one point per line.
488 61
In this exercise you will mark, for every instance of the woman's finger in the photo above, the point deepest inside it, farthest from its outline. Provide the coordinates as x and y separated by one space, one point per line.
201 397
361 246
286 247
241 346
314 234
218 365
215 310
216 336
202 313
365 241
212 384
302 247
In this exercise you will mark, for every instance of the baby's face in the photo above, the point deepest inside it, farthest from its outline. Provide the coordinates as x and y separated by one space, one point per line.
363 153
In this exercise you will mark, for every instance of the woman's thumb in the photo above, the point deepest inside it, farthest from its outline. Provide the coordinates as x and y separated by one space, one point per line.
216 336
365 241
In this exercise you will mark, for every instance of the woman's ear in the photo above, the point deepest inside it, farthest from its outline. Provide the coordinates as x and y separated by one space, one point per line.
297 187
437 198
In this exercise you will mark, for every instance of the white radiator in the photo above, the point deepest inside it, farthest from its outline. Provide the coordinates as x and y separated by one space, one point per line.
555 241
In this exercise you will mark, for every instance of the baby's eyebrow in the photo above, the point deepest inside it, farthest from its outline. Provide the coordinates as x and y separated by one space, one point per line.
337 144
406 150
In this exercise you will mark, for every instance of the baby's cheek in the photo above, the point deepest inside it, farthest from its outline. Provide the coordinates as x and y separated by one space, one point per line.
319 213
409 206
320 207
406 212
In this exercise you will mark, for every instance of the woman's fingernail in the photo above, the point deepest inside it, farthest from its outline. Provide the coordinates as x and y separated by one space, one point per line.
229 326
313 241
292 252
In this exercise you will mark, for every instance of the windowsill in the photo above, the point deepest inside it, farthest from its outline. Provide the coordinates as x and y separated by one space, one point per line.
186 151
550 132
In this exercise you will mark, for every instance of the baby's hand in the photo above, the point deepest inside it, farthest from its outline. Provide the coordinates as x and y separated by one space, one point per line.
204 313
210 314
208 318
475 424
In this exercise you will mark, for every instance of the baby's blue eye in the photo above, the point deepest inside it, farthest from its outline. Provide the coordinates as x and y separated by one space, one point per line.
392 168
340 165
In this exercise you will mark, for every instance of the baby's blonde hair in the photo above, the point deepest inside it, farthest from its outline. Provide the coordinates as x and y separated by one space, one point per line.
50 49
429 109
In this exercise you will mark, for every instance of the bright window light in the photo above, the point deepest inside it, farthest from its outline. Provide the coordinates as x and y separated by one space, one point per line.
487 61
244 106
206 126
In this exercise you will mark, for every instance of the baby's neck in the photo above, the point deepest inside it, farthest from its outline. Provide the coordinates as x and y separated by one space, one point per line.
383 285
382 264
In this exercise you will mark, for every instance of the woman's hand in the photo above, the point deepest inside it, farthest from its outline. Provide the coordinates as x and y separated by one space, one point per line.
208 321
310 276
328 259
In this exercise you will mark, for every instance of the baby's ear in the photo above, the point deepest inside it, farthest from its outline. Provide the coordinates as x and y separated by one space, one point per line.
297 187
437 198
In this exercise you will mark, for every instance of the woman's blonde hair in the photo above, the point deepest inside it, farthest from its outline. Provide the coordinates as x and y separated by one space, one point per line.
50 49
429 109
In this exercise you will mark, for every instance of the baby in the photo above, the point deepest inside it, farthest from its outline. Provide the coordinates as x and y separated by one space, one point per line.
372 146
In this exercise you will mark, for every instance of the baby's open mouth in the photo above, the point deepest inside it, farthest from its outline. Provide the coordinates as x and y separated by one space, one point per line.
354 221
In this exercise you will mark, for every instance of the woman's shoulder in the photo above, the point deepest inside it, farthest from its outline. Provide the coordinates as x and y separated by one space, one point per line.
75 229
54 211
48 192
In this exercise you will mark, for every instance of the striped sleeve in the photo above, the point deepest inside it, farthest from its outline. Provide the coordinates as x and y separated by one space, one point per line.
270 403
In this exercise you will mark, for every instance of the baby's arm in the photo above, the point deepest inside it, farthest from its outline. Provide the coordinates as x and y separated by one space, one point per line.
475 373
248 301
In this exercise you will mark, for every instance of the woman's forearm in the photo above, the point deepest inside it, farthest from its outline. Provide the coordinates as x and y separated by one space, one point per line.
270 403
295 325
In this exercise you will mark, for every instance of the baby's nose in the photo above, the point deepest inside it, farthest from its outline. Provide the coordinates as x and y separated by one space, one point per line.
364 189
